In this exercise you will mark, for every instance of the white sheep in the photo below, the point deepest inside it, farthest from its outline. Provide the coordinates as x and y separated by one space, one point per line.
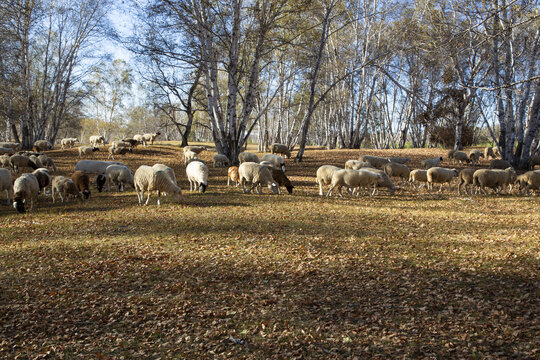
324 176
6 183
197 174
87 150
64 187
150 138
95 167
383 181
221 160
357 164
491 152
280 149
149 179
276 160
119 175
96 139
139 139
167 170
354 179
418 175
495 179
376 161
197 149
465 178
429 163
527 181
258 176
248 157
190 156
47 162
67 143
393 169
118 150
441 176
25 189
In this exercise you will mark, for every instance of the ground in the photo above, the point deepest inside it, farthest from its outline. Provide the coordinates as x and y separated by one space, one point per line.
227 275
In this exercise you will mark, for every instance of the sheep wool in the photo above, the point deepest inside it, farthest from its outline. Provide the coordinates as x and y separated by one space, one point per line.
148 179
441 176
119 175
197 174
25 189
257 175
324 176
248 157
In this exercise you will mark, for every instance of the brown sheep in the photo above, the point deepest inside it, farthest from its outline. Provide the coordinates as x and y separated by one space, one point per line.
82 181
232 174
282 180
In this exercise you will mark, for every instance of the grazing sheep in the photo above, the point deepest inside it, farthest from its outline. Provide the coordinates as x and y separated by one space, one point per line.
87 150
248 157
257 175
95 167
11 145
527 181
149 179
197 174
101 180
96 139
113 150
499 164
21 161
465 178
42 145
357 165
36 161
429 163
353 179
6 183
4 151
25 189
82 182
190 156
43 177
488 152
68 142
195 148
282 180
65 188
376 161
533 161
5 162
397 170
461 157
399 160
418 175
276 160
280 149
441 176
495 179
150 138
232 174
324 176
221 160
132 142
47 162
383 181
167 169
119 175
139 138
474 156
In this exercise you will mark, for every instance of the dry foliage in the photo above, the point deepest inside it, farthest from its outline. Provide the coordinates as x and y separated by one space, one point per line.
228 275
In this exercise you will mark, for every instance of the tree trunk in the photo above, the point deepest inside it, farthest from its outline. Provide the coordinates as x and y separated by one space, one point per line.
533 125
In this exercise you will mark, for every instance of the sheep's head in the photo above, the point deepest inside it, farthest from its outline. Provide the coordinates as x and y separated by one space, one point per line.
202 188
178 195
86 193
273 187
18 204
100 182
440 158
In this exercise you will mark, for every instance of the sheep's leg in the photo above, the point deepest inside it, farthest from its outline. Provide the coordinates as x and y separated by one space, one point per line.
330 190
148 200
321 189
158 198
243 182
228 181
339 191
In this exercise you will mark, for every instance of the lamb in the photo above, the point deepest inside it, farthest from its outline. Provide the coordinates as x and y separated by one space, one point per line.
465 178
499 164
232 174
87 150
42 145
257 175
68 142
47 162
25 189
221 160
5 162
248 157
324 176
281 179
11 145
494 179
440 175
474 156
353 179
418 175
65 188
461 157
491 152
43 177
95 167
96 139
397 170
6 183
113 150
376 161
150 138
149 179
190 156
533 161
197 174
399 160
120 175
429 163
280 149
21 161
82 182
383 181
357 165
276 160
527 181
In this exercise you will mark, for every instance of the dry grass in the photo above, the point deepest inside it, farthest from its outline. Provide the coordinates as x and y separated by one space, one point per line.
228 275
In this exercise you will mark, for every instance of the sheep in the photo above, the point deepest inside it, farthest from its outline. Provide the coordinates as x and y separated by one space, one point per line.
113 150
167 169
324 176
190 156
357 165
527 181
440 175
11 145
120 175
493 178
248 157
96 139
353 179
195 148
397 170
465 178
197 174
474 156
276 160
4 151
418 175
65 188
450 154
383 181
47 162
42 145
6 183
257 175
87 150
36 161
43 177
150 138
4 161
499 164
232 174
25 189
139 139
21 161
461 157
132 142
149 179
101 180
82 182
533 161
399 160
280 149
95 167
120 143
221 160
429 163
281 179
68 142
376 161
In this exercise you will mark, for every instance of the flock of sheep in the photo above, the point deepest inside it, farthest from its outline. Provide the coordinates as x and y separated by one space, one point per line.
368 172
